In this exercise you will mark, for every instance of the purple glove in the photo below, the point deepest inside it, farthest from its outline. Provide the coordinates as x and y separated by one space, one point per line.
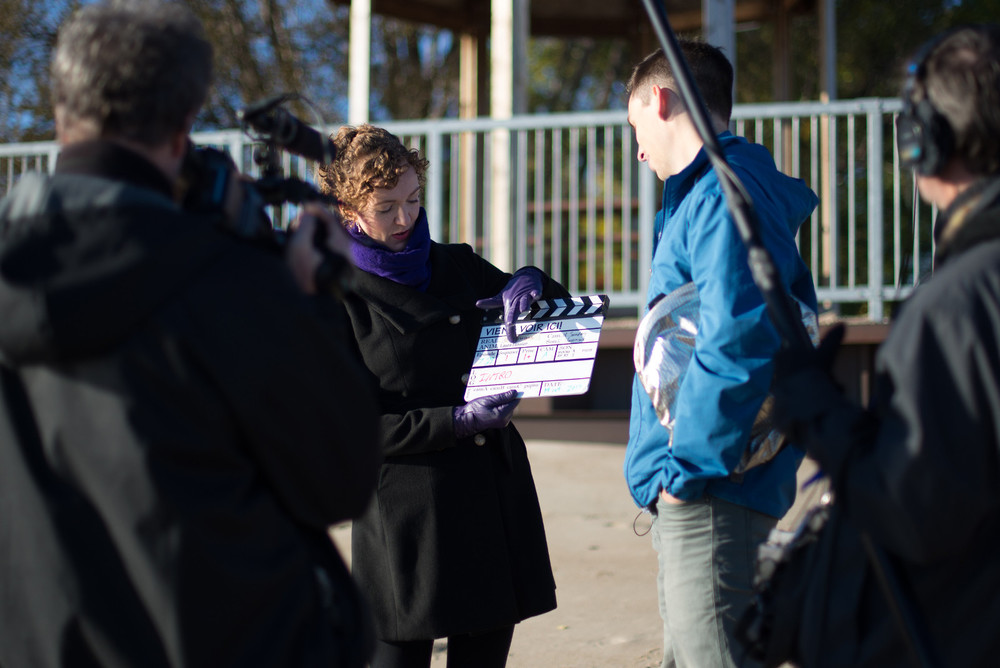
523 288
492 412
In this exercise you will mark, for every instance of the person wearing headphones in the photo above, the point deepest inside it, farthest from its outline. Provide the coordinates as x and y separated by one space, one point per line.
918 471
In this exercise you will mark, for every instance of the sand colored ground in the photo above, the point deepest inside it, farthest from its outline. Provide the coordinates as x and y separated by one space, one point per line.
605 573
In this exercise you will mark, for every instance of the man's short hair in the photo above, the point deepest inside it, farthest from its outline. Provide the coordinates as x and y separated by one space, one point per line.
711 70
133 69
962 81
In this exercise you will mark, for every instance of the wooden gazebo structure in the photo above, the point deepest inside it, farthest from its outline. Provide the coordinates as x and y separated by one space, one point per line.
496 75
494 36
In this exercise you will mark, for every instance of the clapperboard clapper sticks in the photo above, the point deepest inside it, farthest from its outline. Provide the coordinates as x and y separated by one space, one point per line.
553 355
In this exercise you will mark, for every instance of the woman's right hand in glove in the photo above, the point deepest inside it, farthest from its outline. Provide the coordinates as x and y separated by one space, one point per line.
490 412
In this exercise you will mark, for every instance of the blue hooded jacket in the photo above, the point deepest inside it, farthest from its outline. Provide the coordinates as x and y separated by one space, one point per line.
730 371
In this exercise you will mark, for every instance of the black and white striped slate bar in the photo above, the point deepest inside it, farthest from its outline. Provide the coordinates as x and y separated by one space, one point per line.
553 355
548 309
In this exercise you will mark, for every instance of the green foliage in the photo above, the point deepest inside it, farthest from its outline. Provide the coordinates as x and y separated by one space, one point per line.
27 34
267 47
756 54
576 74
874 41
264 47
414 71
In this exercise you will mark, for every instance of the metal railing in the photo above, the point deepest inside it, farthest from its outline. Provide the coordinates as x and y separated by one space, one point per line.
582 205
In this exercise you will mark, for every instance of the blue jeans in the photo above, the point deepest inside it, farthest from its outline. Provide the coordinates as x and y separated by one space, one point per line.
706 551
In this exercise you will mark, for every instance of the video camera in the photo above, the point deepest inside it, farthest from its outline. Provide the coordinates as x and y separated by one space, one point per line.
208 171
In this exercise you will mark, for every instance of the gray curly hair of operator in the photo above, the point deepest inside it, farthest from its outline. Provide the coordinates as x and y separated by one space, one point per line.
134 69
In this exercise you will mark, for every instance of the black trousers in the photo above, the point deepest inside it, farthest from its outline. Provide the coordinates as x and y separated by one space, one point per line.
472 650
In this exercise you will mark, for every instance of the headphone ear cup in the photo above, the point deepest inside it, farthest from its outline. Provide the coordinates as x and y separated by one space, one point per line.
909 138
925 140
939 140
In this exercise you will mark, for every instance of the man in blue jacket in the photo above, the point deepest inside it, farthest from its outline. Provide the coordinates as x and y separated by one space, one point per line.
709 515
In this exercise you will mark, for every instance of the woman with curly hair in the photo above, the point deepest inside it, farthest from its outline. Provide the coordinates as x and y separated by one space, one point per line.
452 545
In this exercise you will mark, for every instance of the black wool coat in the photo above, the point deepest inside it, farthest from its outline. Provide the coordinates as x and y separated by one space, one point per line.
453 541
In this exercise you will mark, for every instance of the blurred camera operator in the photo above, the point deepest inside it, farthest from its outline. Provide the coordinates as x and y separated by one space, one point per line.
179 424
919 471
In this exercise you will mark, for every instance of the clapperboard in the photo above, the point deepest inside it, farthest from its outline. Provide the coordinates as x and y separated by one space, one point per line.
553 355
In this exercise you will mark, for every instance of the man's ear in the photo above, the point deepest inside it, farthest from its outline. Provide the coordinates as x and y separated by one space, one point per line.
666 101
60 117
70 129
179 145
181 141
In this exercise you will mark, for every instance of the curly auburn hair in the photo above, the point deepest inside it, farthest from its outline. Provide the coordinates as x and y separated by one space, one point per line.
367 157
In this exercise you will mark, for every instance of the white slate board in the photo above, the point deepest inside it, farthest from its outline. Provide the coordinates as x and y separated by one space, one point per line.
554 353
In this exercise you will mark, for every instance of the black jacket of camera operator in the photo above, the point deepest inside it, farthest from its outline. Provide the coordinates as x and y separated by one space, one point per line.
179 425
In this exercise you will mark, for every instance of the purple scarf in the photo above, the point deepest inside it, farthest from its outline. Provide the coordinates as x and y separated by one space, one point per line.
410 266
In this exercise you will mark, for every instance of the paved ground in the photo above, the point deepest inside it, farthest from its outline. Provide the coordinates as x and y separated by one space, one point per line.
605 573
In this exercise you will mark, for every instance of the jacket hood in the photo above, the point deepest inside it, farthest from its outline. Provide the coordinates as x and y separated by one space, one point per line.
790 197
84 260
786 198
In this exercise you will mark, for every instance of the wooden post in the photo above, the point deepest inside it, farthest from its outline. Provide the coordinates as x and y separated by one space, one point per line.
508 77
359 62
828 93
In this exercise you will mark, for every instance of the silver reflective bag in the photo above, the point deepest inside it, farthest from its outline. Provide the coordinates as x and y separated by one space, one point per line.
664 345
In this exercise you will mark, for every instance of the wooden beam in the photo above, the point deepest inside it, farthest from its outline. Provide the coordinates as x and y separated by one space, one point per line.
457 16
572 18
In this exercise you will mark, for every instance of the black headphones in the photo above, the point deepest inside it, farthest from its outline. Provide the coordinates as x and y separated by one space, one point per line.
924 137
